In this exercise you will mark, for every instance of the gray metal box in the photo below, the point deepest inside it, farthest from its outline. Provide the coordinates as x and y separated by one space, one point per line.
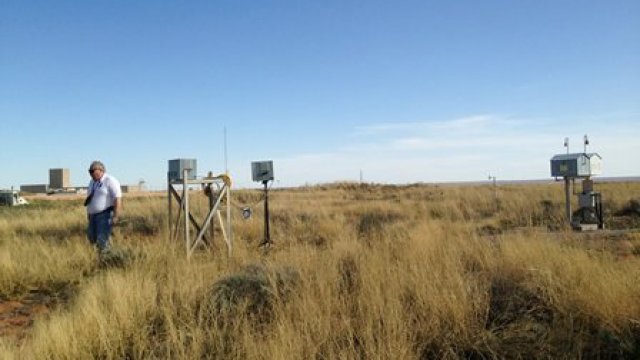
576 165
587 200
7 197
262 170
11 198
176 167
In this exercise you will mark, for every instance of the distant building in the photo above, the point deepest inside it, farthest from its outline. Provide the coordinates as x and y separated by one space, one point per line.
35 188
59 178
131 188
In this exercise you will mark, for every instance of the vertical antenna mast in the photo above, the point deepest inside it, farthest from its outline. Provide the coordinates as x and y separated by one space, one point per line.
586 142
226 168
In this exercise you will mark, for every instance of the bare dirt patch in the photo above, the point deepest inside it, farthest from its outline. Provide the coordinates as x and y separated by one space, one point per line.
18 315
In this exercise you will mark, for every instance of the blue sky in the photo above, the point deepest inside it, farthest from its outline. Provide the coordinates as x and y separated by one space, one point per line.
404 91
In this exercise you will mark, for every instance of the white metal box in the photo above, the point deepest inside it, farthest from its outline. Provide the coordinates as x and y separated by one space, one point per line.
177 166
262 171
576 165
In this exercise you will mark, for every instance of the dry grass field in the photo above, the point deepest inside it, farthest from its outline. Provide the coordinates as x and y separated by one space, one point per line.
356 272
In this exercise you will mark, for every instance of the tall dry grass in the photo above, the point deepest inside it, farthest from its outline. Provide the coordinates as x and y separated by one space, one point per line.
356 272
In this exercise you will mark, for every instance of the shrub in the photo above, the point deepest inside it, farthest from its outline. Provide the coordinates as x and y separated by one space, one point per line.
114 257
251 293
632 208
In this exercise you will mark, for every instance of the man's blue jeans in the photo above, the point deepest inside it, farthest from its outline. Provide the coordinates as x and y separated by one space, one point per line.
99 229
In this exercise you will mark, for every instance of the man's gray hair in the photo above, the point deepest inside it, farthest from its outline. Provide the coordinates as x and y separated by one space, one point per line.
97 165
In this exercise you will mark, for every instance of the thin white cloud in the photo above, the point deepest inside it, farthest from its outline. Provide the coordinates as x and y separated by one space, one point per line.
456 142
466 122
421 126
391 127
463 149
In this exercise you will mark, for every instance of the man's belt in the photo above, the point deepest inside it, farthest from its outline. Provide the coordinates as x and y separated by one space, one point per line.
109 209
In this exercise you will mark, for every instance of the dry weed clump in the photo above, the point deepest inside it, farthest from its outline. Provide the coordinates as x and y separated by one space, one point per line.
349 277
377 225
114 257
108 321
594 299
632 208
519 318
307 228
38 264
252 292
141 225
627 215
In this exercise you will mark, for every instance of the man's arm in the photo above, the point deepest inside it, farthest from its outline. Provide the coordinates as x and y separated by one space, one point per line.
117 206
116 192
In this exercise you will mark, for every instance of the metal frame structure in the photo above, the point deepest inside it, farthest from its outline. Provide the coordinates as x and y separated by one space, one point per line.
218 200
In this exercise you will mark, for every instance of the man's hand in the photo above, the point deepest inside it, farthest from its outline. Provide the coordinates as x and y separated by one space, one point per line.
117 205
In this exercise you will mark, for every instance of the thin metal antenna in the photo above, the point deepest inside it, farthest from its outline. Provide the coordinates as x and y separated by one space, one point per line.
495 190
586 142
226 167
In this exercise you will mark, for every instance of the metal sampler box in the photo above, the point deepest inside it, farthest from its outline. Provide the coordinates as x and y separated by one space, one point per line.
576 165
262 171
177 166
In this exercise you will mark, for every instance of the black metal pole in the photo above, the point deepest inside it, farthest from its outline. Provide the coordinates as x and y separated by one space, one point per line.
599 211
267 234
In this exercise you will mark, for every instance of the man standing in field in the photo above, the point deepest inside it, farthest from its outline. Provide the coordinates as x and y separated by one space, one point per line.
104 202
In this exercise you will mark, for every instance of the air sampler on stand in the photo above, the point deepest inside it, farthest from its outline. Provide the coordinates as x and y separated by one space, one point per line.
180 177
262 171
582 166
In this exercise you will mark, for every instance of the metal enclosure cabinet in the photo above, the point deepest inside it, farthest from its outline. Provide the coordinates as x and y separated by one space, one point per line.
176 167
6 198
11 198
262 171
576 165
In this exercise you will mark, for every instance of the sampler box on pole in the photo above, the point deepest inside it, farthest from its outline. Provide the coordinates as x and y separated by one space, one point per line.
262 171
177 166
576 165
